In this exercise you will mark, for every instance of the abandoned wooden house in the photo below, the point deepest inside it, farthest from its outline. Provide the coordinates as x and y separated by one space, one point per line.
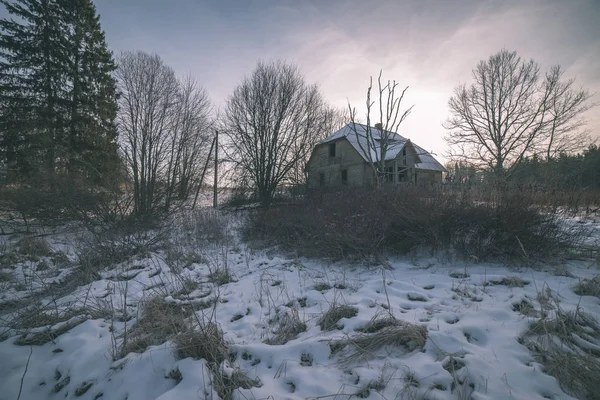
345 158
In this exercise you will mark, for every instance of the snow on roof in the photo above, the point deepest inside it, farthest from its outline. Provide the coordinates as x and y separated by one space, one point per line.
395 145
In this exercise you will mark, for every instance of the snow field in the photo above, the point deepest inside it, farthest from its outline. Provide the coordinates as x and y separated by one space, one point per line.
474 315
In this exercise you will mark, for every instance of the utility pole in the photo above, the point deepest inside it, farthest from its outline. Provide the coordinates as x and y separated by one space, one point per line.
203 173
216 168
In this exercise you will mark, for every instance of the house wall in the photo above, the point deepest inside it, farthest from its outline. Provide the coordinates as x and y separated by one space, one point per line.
346 158
425 177
405 161
359 172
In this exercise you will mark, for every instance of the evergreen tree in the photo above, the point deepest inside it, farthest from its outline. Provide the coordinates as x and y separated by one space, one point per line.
32 80
92 132
58 98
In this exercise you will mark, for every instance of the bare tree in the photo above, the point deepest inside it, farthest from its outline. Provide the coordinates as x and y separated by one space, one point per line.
162 130
512 111
376 145
190 140
269 122
566 107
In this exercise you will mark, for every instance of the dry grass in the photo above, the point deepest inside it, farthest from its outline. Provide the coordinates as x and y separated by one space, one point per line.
568 325
206 342
331 317
290 326
159 321
378 322
9 260
386 331
588 287
81 390
567 346
207 226
577 373
510 281
220 276
6 276
188 285
226 384
39 338
34 247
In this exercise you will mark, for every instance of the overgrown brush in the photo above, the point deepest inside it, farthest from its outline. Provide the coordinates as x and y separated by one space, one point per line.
365 223
205 226
112 244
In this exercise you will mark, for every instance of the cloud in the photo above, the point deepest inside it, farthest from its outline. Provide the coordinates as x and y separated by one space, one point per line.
430 45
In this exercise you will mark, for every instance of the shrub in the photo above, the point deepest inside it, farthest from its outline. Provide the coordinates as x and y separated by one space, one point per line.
364 223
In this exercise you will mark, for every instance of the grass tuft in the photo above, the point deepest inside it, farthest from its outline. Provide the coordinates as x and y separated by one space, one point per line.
159 321
220 276
39 338
567 346
81 390
6 276
510 281
34 247
322 286
390 333
175 374
588 287
379 322
207 342
331 317
290 326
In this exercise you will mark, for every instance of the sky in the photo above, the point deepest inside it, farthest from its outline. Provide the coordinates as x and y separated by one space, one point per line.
429 45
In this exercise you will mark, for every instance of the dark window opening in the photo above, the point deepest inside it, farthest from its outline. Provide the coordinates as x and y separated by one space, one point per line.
401 174
322 179
345 176
331 149
389 174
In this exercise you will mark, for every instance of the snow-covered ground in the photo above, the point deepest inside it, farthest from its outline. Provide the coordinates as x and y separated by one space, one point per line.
474 319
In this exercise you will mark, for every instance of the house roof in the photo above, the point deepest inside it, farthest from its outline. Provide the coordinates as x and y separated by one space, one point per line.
396 143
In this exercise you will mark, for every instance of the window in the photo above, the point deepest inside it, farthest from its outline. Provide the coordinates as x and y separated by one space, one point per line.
401 174
321 179
331 149
403 160
345 176
389 174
